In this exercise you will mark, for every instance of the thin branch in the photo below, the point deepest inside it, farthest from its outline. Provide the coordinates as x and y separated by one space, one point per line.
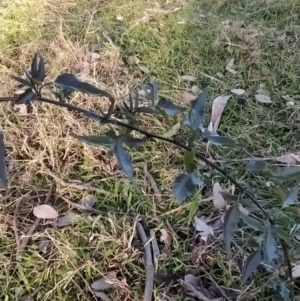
32 228
110 119
148 292
152 183
82 186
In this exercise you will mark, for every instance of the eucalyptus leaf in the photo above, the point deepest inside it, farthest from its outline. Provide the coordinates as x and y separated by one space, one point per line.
68 80
215 139
34 66
229 197
285 173
189 160
280 233
270 246
153 92
123 159
252 264
185 185
26 97
291 197
168 107
255 166
252 222
131 141
41 72
173 131
97 140
3 181
231 219
22 81
197 111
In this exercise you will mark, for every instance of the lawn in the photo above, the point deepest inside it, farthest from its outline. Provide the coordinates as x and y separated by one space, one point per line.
116 45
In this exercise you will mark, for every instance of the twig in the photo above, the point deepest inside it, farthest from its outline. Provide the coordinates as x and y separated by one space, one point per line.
155 247
79 206
33 227
215 283
73 185
152 183
148 292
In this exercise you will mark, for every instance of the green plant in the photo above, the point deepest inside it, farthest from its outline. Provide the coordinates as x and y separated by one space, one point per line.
126 117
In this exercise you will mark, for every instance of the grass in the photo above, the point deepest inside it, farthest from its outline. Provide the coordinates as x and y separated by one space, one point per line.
191 41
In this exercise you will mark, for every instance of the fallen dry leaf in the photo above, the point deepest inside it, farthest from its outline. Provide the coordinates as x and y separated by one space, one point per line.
291 158
45 211
243 210
189 78
43 245
101 295
166 237
144 69
220 75
203 228
105 282
263 91
21 109
68 219
188 97
119 18
296 270
218 199
88 202
231 67
133 59
217 110
238 92
195 90
263 98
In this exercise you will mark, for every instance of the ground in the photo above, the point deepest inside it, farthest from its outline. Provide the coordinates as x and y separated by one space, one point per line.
167 39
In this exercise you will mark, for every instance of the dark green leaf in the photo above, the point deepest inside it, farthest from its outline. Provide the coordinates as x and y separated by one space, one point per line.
144 88
291 197
255 166
123 159
252 222
136 100
215 139
40 75
67 92
26 97
189 161
22 81
252 264
148 110
231 219
173 131
3 182
153 93
97 140
131 141
281 233
270 246
168 107
185 185
68 80
228 198
130 102
197 111
285 173
34 66
94 116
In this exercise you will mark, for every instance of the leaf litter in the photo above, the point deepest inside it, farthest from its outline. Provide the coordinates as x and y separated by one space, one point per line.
230 67
45 211
106 282
218 199
203 228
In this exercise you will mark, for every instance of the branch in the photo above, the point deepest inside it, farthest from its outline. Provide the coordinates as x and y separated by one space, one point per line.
149 264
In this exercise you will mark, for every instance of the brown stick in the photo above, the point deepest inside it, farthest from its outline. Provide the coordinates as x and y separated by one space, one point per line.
29 233
73 185
152 183
148 292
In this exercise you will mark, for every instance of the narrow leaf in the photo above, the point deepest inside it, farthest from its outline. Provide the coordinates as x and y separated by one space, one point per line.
105 282
168 107
26 97
130 102
217 110
231 219
197 110
185 185
252 264
153 92
34 66
280 233
255 166
203 228
147 110
229 197
173 131
285 173
189 78
123 159
3 181
68 80
22 81
215 139
40 75
252 222
97 140
45 211
131 141
291 197
270 246
69 219
189 161
218 199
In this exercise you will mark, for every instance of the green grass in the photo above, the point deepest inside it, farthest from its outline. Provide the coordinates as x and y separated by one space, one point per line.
198 46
